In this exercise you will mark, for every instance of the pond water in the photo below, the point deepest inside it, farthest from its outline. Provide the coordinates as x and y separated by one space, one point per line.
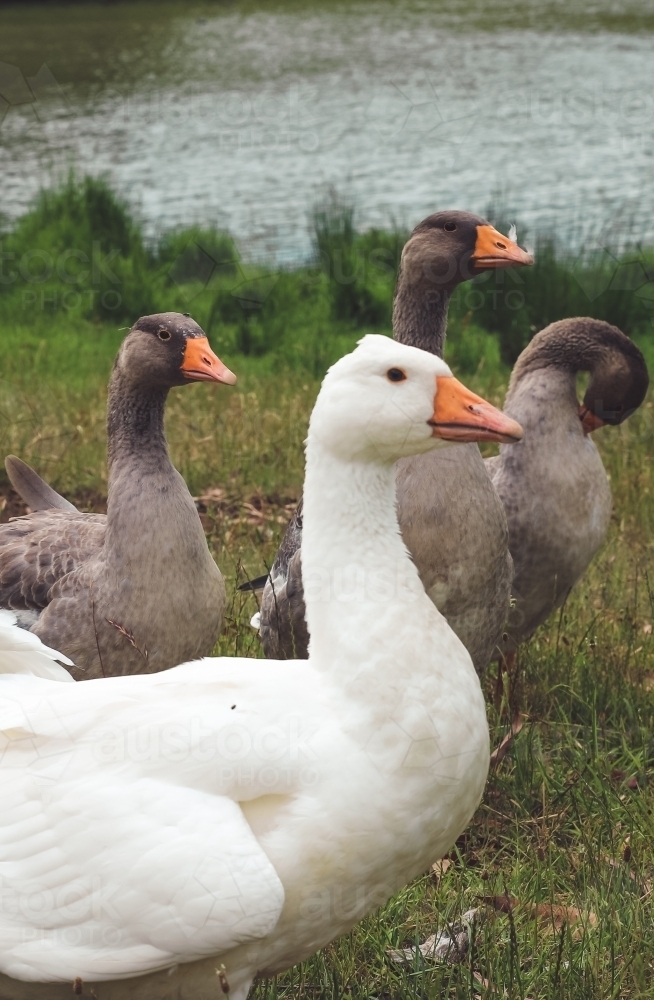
244 115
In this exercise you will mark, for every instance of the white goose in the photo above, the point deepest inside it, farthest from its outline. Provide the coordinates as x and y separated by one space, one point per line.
236 814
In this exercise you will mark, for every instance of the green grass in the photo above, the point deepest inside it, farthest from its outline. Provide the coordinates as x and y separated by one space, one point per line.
78 261
562 823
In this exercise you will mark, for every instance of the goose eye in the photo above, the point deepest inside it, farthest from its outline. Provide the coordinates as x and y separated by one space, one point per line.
164 334
395 375
450 227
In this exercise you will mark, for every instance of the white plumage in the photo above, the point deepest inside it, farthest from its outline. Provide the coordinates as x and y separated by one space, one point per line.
242 812
23 653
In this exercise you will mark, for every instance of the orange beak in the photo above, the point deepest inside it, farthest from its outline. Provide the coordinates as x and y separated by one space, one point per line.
200 364
461 415
493 250
589 420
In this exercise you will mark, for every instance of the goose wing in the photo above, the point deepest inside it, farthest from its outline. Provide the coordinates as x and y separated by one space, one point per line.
39 549
35 491
123 845
283 628
153 875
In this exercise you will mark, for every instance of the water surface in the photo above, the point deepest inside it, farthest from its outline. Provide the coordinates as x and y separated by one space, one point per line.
244 114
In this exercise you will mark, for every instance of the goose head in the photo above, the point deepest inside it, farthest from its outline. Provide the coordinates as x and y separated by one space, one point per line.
619 379
169 349
387 400
450 247
618 371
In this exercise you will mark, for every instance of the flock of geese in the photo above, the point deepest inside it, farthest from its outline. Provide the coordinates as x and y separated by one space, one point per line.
182 824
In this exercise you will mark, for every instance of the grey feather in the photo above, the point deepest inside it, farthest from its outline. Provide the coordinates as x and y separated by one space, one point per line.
35 491
26 619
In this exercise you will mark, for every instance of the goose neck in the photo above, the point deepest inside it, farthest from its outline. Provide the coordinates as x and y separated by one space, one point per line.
359 581
542 400
135 424
420 312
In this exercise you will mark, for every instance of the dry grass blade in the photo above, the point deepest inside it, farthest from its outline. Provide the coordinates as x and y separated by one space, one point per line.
551 916
554 917
215 495
129 636
500 752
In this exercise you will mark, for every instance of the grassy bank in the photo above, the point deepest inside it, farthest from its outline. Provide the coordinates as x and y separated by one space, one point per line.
78 261
76 270
558 861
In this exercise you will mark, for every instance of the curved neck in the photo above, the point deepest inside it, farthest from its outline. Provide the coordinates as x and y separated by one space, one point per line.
572 353
420 312
618 372
545 404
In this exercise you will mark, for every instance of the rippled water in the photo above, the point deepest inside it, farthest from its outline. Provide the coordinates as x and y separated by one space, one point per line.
246 115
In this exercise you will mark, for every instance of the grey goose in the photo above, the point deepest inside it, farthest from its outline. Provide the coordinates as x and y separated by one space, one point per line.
553 485
451 518
135 590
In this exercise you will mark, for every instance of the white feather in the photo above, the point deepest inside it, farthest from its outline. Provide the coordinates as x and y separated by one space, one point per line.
22 652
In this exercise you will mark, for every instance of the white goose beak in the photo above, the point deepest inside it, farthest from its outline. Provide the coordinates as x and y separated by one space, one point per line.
462 415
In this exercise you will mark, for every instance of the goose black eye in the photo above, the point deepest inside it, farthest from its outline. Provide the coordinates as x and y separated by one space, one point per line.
395 375
450 227
164 334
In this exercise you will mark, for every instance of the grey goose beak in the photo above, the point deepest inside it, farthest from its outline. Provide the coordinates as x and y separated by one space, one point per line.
493 250
200 364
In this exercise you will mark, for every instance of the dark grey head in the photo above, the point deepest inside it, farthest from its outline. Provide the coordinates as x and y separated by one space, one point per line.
618 372
442 251
450 247
169 349
619 381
